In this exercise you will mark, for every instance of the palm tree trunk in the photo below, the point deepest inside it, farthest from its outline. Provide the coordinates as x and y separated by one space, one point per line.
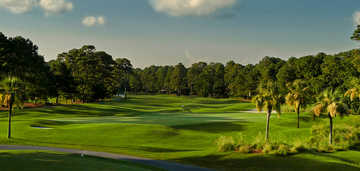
10 112
191 89
298 117
331 129
125 94
267 125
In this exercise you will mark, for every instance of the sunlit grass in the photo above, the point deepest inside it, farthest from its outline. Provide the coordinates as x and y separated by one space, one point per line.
182 129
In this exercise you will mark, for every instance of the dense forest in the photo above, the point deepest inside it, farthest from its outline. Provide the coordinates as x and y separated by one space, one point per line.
89 75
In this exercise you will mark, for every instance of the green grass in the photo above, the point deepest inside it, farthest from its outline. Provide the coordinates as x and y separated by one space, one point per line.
182 129
43 161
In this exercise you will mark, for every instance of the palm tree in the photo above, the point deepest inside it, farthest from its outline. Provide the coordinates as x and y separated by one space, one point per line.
330 103
297 97
353 94
269 99
11 96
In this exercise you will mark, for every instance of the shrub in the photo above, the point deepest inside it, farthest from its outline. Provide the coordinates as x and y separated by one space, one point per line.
259 143
344 136
298 146
225 144
245 148
267 148
282 150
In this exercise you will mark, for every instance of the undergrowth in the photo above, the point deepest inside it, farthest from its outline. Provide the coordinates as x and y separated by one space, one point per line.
345 137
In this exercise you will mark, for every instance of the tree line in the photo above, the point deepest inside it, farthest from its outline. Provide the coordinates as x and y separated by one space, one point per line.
88 75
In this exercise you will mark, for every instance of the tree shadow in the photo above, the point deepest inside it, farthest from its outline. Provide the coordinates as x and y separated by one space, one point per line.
265 163
35 161
336 157
126 147
213 127
216 101
163 150
88 111
49 123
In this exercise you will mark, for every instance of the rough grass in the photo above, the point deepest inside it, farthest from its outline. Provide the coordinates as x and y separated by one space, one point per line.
182 129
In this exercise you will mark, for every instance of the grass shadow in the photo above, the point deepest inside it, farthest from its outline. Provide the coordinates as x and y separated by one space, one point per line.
163 150
266 163
213 127
35 161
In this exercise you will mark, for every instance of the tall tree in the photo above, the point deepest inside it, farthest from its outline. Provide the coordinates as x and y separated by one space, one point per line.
178 78
356 34
91 71
206 81
63 82
193 75
168 78
122 71
12 94
219 83
269 67
330 102
298 97
134 81
269 98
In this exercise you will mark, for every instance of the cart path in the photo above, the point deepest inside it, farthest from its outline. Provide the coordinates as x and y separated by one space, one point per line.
170 166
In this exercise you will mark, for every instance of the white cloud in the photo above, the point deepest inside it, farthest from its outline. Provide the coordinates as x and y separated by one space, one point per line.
356 18
18 6
190 7
90 21
56 6
49 6
101 20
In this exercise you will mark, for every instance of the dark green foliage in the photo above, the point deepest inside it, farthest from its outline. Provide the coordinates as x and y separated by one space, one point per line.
19 58
92 73
178 79
193 76
356 34
89 75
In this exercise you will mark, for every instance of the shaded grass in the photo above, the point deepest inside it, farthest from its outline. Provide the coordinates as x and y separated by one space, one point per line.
259 162
43 160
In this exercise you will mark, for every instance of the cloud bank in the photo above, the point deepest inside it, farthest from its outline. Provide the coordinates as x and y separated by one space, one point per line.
190 7
91 21
48 6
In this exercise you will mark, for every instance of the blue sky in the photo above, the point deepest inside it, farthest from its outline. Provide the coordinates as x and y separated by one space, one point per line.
165 32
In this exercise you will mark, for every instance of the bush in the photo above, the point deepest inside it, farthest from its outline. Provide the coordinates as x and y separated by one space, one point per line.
345 137
259 142
245 148
267 148
298 146
282 150
225 144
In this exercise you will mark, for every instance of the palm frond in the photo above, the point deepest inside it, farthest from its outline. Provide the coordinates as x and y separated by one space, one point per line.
318 109
259 102
332 109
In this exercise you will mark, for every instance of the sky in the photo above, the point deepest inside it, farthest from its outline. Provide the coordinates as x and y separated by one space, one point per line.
166 32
